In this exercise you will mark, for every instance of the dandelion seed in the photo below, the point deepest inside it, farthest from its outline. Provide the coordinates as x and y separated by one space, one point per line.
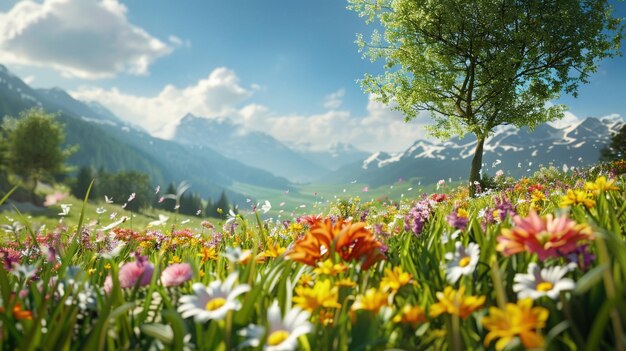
162 220
124 205
248 200
267 206
352 182
281 204
178 206
108 200
131 197
185 221
157 189
198 212
409 189
302 206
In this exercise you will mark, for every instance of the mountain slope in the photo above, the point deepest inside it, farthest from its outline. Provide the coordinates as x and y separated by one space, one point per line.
516 151
105 141
249 147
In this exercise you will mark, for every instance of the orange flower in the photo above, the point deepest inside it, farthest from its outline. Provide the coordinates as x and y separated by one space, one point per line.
410 315
352 241
19 313
521 319
547 236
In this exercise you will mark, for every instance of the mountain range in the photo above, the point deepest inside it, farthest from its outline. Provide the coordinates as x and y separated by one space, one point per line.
214 154
515 151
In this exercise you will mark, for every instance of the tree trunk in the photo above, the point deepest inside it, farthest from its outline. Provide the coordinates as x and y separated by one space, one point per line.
477 163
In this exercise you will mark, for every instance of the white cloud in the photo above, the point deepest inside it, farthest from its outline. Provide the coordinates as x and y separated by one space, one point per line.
221 95
333 101
215 96
80 38
380 129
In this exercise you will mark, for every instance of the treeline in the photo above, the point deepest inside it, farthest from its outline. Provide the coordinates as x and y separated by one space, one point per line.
119 187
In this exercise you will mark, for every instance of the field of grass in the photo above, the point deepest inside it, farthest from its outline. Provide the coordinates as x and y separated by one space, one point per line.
535 263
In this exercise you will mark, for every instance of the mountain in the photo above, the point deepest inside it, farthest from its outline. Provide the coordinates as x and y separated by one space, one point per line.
249 147
106 141
517 152
339 154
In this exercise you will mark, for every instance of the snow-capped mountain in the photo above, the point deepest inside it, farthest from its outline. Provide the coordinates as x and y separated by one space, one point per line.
516 151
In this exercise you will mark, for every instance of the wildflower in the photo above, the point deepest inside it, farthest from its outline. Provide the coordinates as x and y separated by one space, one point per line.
352 241
346 282
266 207
273 250
207 254
136 273
542 282
601 184
328 268
283 333
537 199
456 303
19 313
394 279
462 262
516 320
306 279
576 197
458 218
439 197
410 315
237 255
212 302
416 218
373 300
176 274
547 236
175 259
499 173
582 257
320 295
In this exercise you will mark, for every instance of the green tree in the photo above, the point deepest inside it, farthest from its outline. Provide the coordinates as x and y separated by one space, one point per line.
35 146
220 208
475 65
616 150
81 184
120 186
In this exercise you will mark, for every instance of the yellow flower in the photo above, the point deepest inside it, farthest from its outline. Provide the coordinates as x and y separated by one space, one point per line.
328 268
575 197
208 254
175 259
107 266
410 315
456 303
395 279
273 250
601 184
347 282
373 301
519 319
536 199
320 295
461 212
306 279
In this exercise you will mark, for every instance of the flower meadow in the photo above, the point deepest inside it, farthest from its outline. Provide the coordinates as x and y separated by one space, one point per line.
534 263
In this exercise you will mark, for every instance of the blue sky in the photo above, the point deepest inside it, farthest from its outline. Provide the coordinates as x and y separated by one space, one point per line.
286 67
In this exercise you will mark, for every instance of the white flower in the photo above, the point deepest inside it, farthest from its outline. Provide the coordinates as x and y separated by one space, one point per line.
266 207
100 210
463 261
214 301
283 332
236 254
542 282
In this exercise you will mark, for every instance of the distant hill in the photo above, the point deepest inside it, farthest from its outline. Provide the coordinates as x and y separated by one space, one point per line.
108 142
515 151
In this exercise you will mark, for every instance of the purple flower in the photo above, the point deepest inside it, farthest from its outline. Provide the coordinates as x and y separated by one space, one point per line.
415 220
504 207
458 218
583 257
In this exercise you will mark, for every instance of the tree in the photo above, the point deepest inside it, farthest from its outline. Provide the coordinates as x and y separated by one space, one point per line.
120 186
616 150
83 180
34 146
475 65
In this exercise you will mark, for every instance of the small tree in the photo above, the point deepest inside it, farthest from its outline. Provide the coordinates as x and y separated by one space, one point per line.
34 146
81 184
120 186
616 150
475 65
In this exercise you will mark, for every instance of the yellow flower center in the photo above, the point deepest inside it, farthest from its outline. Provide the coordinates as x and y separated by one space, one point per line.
277 337
464 262
215 303
544 286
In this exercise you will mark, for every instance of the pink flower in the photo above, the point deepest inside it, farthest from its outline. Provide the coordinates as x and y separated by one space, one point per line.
133 272
176 274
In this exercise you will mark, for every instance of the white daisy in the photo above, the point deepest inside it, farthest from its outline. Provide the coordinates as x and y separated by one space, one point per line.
283 332
463 261
542 282
214 301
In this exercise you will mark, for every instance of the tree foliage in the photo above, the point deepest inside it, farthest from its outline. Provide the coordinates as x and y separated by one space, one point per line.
616 150
34 146
81 184
120 186
474 65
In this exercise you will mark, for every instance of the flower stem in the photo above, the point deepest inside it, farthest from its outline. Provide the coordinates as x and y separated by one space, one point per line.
609 286
497 283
